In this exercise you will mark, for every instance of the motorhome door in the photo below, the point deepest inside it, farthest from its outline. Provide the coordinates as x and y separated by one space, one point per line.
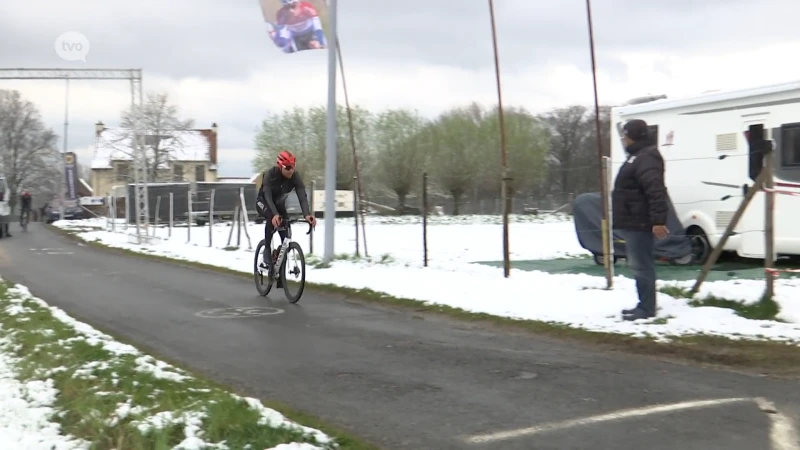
751 225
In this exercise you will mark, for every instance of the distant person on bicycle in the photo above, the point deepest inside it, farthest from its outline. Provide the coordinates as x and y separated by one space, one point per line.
276 184
25 201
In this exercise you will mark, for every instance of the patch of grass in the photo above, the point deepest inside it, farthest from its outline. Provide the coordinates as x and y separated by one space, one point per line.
317 262
764 309
771 357
231 248
114 396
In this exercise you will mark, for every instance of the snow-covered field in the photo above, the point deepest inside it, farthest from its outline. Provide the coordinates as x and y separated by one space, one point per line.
27 404
453 279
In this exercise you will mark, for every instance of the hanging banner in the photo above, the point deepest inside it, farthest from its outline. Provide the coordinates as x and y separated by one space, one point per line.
295 25
71 169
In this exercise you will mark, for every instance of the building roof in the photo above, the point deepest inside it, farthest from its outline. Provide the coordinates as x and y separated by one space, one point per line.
114 144
86 185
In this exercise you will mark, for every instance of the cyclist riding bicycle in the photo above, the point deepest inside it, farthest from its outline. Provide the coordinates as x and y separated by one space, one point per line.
25 201
276 184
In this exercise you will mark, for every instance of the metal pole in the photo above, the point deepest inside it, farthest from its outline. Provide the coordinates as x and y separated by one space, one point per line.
135 157
504 156
63 190
357 187
607 258
425 219
331 133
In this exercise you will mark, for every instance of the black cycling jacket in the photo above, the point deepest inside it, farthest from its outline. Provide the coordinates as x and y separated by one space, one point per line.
275 188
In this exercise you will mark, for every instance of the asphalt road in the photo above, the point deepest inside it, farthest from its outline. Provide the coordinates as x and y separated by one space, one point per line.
397 378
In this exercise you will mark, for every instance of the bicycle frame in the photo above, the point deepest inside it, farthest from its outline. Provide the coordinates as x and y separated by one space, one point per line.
287 225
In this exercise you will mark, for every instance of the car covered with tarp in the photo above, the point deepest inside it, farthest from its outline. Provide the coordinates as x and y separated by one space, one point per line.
677 248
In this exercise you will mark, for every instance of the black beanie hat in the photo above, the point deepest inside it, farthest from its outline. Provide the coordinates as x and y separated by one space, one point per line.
636 130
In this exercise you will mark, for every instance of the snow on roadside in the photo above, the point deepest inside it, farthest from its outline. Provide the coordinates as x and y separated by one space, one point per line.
574 300
27 406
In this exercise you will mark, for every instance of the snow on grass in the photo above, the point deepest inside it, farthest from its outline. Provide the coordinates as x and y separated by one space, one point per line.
65 385
575 300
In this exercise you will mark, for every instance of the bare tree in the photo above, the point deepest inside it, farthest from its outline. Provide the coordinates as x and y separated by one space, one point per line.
456 151
303 132
527 146
28 155
163 134
401 156
569 131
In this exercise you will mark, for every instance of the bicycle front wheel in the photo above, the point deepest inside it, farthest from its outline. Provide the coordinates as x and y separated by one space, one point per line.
260 274
296 269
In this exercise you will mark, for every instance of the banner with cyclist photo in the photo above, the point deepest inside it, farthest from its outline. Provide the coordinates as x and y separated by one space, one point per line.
71 175
296 25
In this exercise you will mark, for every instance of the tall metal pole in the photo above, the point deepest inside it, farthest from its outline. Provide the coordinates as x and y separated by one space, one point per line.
63 165
504 156
359 195
332 135
607 262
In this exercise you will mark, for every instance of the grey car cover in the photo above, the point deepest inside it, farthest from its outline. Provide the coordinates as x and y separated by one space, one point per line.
588 215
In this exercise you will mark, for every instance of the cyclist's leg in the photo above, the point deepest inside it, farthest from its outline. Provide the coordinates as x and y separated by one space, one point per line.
268 237
281 207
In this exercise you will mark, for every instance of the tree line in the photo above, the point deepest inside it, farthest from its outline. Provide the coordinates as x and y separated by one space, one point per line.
554 153
549 154
29 157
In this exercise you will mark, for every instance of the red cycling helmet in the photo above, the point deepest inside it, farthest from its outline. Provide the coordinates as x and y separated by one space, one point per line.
286 159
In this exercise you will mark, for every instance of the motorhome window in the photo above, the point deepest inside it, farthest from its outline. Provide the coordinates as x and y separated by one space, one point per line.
790 145
755 133
652 134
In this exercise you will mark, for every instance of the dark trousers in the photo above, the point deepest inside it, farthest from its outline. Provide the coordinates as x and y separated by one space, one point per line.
640 251
268 228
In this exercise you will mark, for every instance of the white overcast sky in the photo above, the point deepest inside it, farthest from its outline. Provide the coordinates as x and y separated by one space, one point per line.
214 57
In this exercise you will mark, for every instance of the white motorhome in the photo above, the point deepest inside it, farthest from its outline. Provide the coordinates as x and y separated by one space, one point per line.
704 142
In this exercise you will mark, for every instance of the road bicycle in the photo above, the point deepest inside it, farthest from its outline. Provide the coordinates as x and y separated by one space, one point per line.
23 220
260 266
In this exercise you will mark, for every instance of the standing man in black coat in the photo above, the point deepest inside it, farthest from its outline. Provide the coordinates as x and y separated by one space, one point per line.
640 205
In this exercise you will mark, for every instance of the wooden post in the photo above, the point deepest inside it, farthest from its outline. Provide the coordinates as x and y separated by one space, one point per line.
503 154
171 213
234 224
425 218
757 185
769 221
211 219
608 226
355 210
158 213
189 216
243 218
313 213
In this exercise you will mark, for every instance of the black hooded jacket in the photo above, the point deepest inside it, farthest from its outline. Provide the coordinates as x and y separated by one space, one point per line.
639 198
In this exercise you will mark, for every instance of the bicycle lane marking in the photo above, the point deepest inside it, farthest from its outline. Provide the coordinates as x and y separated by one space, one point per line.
783 434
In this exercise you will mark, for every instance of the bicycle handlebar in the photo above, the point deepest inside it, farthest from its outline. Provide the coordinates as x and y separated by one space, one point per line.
301 219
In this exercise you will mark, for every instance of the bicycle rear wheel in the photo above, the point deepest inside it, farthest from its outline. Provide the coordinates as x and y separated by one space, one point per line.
298 268
260 275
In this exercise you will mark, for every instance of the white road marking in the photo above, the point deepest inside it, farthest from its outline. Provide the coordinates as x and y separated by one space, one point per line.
617 415
783 434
